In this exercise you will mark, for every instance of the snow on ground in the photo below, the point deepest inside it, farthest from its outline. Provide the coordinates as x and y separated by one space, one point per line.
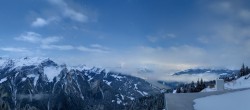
28 61
107 82
208 90
145 93
23 79
35 78
238 84
117 76
52 72
229 101
118 101
142 93
131 98
135 86
174 91
2 61
2 80
80 67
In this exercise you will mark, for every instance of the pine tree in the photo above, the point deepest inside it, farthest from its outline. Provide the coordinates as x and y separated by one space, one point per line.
192 87
178 90
203 86
247 70
201 82
198 83
242 70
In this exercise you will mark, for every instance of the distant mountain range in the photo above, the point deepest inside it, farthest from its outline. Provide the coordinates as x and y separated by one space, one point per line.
40 83
221 73
203 71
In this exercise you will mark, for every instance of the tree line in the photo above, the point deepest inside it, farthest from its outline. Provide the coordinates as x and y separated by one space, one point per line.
244 70
200 84
194 87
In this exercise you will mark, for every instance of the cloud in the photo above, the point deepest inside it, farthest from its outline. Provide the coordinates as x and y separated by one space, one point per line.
50 43
160 36
29 37
90 49
58 47
69 12
95 50
245 14
98 46
231 10
44 42
221 7
228 40
13 49
33 37
50 40
163 61
153 39
39 22
189 78
31 97
169 35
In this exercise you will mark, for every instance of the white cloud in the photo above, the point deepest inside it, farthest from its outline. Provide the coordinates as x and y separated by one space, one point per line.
163 60
221 7
98 46
29 37
160 36
33 37
169 35
58 47
69 12
39 22
13 49
86 49
49 40
189 78
44 42
245 14
50 43
231 10
153 39
75 15
228 40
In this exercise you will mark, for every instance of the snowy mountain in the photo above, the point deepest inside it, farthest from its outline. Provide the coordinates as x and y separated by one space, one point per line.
195 74
203 71
43 84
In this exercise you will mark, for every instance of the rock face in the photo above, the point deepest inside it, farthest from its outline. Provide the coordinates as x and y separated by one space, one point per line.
40 83
154 102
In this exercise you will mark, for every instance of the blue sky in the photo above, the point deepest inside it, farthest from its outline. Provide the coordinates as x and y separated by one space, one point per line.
165 35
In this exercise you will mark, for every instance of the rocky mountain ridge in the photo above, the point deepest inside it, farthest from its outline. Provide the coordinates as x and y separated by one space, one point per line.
45 85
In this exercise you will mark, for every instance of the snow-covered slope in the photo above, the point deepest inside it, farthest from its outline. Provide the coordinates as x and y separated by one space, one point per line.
229 101
209 89
242 82
27 61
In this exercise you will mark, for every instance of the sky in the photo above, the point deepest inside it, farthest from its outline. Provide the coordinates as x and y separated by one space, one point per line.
162 35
